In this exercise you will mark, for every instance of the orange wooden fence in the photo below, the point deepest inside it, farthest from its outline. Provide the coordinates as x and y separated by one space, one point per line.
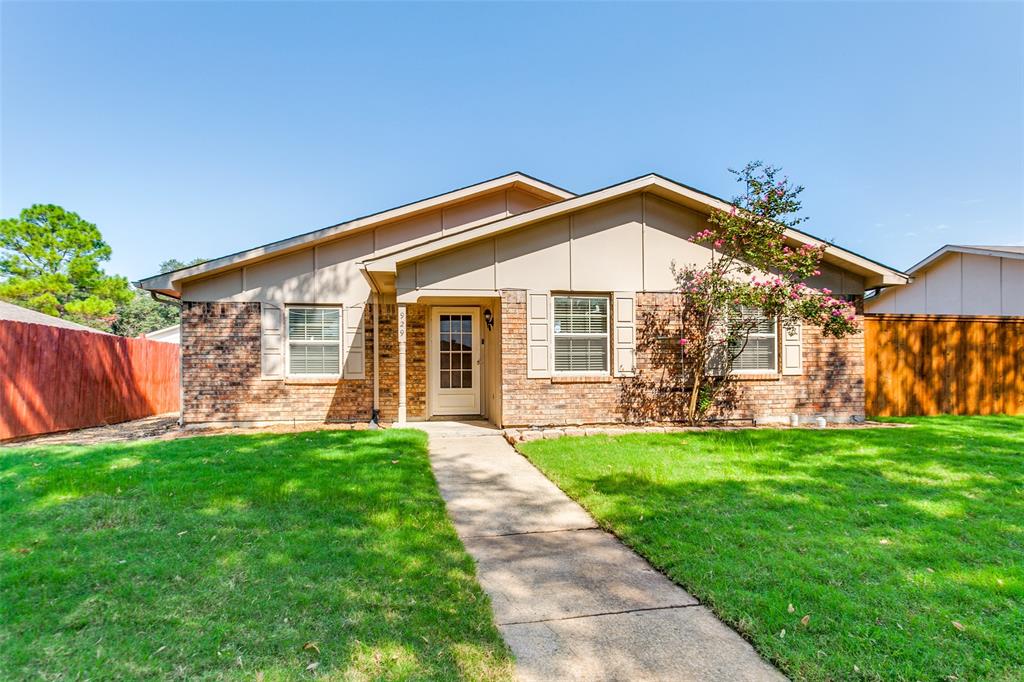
55 379
938 364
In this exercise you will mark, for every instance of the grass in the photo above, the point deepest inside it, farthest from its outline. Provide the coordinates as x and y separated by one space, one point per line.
905 547
322 555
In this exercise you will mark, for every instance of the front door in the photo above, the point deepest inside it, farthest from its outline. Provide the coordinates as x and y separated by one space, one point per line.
455 362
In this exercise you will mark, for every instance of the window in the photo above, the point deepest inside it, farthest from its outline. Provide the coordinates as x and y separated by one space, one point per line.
581 334
314 341
759 354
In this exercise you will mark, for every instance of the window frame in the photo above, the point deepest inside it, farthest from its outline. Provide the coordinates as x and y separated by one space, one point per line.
774 335
607 335
288 341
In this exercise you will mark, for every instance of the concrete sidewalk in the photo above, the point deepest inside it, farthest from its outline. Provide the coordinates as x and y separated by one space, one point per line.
573 602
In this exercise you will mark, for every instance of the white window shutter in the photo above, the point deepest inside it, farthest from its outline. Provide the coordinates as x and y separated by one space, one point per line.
538 334
792 351
354 345
625 333
271 342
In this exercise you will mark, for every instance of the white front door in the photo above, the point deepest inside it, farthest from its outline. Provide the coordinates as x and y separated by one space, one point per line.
455 362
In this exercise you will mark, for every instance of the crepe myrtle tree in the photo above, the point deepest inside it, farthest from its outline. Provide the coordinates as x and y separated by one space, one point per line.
752 275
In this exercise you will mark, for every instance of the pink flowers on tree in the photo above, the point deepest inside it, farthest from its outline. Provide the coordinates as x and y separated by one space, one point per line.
755 272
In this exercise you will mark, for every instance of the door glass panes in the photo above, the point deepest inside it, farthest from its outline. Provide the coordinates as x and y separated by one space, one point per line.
456 351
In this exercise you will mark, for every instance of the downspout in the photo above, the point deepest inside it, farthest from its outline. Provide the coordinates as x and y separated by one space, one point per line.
375 413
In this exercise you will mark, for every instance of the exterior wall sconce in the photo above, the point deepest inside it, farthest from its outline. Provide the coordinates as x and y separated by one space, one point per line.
489 318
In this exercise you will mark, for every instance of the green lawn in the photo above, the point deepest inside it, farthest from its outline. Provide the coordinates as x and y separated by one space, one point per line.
325 555
905 547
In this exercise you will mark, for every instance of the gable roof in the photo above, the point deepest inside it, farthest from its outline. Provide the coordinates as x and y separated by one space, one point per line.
164 282
387 261
1016 252
15 313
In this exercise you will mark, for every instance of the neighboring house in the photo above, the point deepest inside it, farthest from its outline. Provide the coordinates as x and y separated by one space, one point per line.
511 299
170 334
15 313
960 280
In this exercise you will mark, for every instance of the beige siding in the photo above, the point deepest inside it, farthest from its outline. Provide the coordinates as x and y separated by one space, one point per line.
838 281
943 293
607 247
538 254
471 267
625 245
412 230
329 273
980 276
482 210
1013 286
325 274
959 284
667 229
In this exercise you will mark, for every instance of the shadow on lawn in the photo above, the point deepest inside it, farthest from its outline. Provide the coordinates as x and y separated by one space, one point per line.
225 555
885 535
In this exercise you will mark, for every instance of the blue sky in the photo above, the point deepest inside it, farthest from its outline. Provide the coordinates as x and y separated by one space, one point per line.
198 129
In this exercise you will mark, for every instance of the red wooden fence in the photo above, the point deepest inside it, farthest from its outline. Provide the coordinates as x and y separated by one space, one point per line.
55 379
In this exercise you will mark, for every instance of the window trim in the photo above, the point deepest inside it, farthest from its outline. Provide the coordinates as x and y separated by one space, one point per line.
607 335
288 374
776 365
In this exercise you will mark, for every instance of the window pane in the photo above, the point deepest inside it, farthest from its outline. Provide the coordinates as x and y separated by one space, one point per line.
456 379
314 358
574 354
445 379
467 378
445 360
759 351
581 315
754 319
314 324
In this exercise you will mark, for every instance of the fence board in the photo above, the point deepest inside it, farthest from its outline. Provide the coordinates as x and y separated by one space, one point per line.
55 379
938 364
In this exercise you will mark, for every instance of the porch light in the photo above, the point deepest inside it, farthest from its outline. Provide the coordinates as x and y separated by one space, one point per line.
489 318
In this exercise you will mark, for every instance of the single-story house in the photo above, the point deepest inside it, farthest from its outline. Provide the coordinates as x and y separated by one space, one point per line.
170 334
511 299
968 281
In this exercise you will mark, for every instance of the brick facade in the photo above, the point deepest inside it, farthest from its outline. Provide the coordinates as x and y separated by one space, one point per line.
221 374
832 382
221 382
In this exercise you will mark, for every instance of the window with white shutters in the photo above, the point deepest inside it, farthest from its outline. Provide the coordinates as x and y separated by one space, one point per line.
314 341
580 332
759 354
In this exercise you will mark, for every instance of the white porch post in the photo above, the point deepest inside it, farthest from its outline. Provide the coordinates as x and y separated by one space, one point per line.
402 318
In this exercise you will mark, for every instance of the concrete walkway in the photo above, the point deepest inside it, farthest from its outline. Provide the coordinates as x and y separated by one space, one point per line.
572 602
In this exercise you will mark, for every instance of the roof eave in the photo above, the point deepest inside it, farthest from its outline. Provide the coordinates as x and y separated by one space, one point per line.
169 282
876 274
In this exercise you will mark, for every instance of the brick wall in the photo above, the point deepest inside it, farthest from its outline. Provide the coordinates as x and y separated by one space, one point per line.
832 383
221 382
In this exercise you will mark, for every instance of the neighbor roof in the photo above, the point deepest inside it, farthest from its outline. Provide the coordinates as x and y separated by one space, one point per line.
875 273
164 282
1016 252
15 313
